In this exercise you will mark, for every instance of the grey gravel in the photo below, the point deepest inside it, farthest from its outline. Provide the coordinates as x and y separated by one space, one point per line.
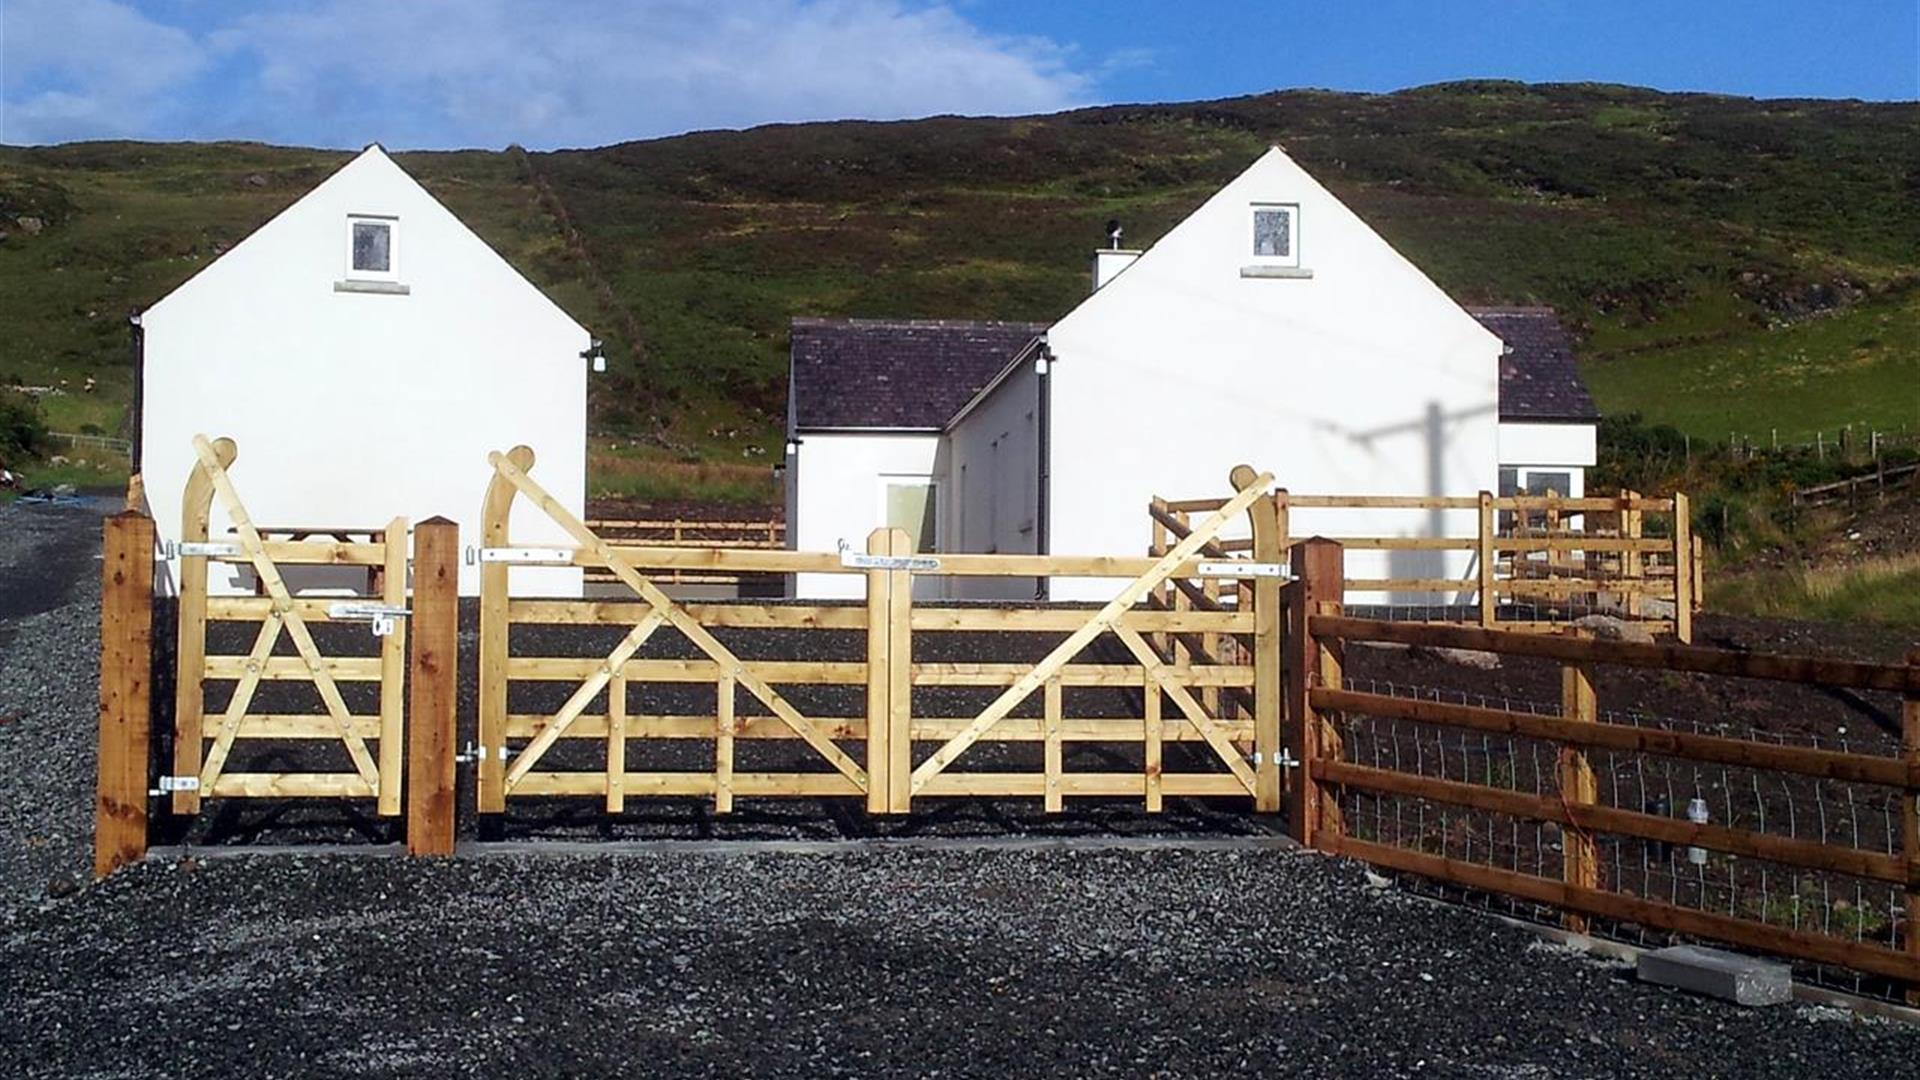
876 960
49 682
1087 958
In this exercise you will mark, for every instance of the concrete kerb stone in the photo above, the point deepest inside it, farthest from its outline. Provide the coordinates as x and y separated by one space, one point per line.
1744 980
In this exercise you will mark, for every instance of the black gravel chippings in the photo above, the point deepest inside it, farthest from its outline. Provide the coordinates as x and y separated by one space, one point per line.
1075 957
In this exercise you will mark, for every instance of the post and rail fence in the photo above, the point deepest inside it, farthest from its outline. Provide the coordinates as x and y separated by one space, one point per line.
1573 808
683 532
1533 562
1219 669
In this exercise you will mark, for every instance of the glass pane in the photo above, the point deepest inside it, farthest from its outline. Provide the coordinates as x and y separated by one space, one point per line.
911 507
1549 483
1509 482
373 246
1273 233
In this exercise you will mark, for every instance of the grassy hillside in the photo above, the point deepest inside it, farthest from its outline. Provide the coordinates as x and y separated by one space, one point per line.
1729 263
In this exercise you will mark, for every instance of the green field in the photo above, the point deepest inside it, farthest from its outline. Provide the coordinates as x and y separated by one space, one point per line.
1885 591
1727 264
1858 366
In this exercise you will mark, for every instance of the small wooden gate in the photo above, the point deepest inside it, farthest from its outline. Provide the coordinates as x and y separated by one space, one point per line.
827 675
292 743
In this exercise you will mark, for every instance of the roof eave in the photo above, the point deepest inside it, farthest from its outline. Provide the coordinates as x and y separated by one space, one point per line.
1021 357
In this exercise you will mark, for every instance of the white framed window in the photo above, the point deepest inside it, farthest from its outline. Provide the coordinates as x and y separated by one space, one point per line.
1276 233
373 247
912 503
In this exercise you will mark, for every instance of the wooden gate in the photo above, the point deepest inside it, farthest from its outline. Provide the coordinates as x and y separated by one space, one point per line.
816 676
292 745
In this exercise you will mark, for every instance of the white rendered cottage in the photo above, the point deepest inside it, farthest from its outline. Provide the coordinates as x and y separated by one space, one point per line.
366 351
1272 326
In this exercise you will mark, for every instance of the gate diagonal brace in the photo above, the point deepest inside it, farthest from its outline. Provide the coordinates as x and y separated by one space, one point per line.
702 639
286 611
1101 622
1183 697
582 697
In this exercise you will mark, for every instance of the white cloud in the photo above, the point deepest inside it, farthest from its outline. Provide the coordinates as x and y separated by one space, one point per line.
489 72
75 69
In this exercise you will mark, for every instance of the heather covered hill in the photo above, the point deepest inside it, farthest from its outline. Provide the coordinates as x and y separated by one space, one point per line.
1720 257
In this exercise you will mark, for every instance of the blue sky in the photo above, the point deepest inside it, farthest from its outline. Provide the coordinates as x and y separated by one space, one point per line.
547 73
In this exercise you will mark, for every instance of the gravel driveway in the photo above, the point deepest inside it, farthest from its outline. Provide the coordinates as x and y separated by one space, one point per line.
875 958
1090 956
49 679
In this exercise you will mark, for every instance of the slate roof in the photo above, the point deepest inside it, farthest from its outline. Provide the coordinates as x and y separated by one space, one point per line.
915 374
1538 381
896 373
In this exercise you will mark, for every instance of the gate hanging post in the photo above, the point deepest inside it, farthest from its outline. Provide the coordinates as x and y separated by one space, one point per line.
434 688
1268 625
1319 574
126 679
1579 857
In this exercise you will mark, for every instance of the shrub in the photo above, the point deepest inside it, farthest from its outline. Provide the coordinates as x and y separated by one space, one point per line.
23 431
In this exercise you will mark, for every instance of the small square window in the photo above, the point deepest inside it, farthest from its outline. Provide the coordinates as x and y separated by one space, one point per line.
373 246
373 249
1276 234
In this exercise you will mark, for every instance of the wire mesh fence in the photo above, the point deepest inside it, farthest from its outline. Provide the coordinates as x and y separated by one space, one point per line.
1859 817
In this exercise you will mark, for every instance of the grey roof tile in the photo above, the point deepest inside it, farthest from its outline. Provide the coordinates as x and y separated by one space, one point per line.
915 374
1538 380
896 373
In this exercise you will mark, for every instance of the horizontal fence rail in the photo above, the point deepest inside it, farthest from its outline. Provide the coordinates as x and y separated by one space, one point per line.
1807 851
768 533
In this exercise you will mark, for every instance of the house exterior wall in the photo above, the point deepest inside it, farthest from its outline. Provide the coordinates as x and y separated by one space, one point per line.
1363 378
351 408
836 491
995 471
1572 445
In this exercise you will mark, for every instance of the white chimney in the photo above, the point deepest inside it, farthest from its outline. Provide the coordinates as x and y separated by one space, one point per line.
1108 262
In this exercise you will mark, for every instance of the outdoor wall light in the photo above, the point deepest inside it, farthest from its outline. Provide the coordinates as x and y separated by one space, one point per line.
596 353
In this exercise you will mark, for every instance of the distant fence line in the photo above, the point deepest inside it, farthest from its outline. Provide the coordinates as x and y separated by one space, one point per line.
1851 442
123 447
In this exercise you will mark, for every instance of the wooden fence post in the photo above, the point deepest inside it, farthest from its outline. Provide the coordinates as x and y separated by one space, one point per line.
1682 568
900 678
1579 859
1910 811
1696 562
1319 575
1326 743
1269 623
1487 604
126 679
879 676
433 687
1632 562
889 677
